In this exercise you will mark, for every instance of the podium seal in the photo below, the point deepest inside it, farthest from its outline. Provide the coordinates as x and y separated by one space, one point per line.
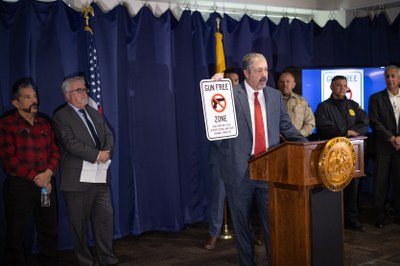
337 163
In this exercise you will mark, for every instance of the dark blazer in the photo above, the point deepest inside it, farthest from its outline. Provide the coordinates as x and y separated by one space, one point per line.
234 154
76 144
382 121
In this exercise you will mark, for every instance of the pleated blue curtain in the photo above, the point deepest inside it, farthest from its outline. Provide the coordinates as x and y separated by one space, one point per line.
380 32
282 46
150 71
329 45
302 43
358 42
247 35
394 40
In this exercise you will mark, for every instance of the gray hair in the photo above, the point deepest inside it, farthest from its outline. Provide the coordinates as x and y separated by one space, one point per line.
67 83
392 67
250 59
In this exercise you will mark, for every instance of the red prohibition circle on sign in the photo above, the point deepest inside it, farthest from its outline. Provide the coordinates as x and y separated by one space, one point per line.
218 103
351 93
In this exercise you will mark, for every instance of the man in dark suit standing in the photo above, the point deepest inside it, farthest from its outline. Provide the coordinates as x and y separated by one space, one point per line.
84 138
384 114
261 118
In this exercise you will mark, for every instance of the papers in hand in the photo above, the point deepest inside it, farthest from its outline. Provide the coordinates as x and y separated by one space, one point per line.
94 172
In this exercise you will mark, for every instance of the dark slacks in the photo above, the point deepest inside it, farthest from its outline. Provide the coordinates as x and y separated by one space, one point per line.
216 204
240 199
386 166
350 197
94 206
22 199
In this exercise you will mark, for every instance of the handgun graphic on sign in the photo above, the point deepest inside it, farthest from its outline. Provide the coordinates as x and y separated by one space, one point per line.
218 103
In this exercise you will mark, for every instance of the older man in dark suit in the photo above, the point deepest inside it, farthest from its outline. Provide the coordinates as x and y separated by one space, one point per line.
384 115
84 138
261 118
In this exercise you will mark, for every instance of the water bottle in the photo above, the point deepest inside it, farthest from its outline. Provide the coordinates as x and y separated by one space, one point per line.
45 198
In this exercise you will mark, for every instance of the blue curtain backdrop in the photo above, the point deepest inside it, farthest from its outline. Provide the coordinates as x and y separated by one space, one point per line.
151 68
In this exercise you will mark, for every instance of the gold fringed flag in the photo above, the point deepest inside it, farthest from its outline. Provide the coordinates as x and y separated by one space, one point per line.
219 49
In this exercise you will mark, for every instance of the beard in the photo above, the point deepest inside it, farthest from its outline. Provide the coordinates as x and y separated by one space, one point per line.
262 83
86 101
30 108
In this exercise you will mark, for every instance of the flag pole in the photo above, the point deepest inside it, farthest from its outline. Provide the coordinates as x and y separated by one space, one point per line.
219 49
87 10
93 72
220 67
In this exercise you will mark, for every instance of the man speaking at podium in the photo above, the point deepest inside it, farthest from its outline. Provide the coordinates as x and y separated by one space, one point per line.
259 109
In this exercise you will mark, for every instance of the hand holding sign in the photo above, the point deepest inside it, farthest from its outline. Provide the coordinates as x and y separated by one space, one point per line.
218 108
218 76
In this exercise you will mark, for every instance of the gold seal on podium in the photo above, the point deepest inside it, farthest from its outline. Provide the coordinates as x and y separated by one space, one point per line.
337 163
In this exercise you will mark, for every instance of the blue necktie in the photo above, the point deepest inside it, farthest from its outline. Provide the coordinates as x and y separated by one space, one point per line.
91 128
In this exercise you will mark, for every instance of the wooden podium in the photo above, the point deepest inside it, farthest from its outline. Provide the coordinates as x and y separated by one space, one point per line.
306 220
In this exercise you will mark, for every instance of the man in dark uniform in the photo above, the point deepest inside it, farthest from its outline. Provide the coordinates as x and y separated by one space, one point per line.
341 117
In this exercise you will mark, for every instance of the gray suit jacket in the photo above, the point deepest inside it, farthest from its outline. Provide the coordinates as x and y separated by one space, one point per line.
382 121
76 144
233 154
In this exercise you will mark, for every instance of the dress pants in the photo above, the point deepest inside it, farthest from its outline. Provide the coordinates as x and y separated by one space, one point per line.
216 204
351 212
386 166
21 200
94 206
240 200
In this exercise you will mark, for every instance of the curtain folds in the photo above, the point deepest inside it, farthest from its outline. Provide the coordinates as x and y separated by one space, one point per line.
150 72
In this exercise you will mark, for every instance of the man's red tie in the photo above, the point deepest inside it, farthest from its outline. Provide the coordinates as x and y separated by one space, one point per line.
259 146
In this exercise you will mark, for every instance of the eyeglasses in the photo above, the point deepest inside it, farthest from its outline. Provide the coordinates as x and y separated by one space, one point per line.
80 90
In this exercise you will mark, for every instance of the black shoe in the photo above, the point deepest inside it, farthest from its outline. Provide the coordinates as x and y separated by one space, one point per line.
210 243
355 225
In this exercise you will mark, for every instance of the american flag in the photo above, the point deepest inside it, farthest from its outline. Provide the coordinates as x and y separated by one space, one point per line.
94 82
